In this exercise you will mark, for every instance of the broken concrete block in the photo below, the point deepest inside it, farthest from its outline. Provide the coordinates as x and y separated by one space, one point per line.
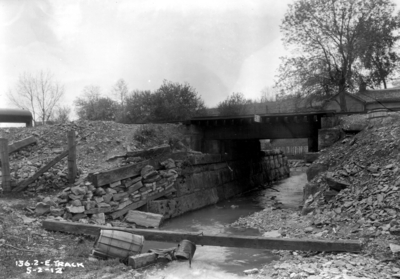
75 209
115 184
144 219
76 203
120 196
168 164
146 170
78 190
336 184
42 208
99 218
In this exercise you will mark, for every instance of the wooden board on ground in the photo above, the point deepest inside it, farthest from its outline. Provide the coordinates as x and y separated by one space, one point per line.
117 174
144 219
142 260
110 176
21 186
150 152
21 144
254 242
138 204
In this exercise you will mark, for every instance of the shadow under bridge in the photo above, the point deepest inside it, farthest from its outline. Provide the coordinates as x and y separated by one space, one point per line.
206 131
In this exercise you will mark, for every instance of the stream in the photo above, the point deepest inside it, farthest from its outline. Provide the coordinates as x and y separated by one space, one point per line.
224 262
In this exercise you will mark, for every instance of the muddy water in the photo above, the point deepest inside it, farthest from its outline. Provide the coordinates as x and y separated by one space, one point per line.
223 262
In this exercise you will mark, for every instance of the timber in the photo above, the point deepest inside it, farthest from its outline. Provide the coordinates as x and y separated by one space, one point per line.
138 204
110 176
151 152
5 167
21 144
72 168
117 174
199 238
21 186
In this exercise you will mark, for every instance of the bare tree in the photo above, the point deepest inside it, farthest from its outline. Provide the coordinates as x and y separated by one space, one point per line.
38 93
61 114
120 91
268 94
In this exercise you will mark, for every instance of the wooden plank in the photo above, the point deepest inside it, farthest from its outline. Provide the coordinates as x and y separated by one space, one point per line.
110 176
21 186
142 260
71 157
5 166
138 204
15 146
150 152
144 219
254 242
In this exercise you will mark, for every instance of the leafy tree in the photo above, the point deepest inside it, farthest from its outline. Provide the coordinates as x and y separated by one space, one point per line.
171 102
94 107
334 44
235 104
38 93
139 105
174 102
380 58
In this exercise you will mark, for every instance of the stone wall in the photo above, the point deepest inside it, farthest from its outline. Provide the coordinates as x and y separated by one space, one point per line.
167 183
207 179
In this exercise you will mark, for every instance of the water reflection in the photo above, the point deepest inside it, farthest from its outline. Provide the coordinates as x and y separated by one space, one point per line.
224 262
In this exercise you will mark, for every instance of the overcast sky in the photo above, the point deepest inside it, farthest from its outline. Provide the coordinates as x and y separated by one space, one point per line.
217 46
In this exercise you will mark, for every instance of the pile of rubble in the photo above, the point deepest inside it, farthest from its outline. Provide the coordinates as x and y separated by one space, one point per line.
299 265
87 202
353 193
94 146
360 184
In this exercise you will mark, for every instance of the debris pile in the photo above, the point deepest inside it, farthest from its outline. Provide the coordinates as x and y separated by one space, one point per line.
352 193
93 149
86 202
361 187
327 266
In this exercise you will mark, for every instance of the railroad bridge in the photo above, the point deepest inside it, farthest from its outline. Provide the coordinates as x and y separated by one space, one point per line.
229 134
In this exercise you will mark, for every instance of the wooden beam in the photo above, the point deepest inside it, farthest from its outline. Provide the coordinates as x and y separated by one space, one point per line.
15 146
254 242
5 166
21 186
110 176
151 152
72 168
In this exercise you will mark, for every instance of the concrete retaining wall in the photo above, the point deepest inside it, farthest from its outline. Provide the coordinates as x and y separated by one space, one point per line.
206 179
